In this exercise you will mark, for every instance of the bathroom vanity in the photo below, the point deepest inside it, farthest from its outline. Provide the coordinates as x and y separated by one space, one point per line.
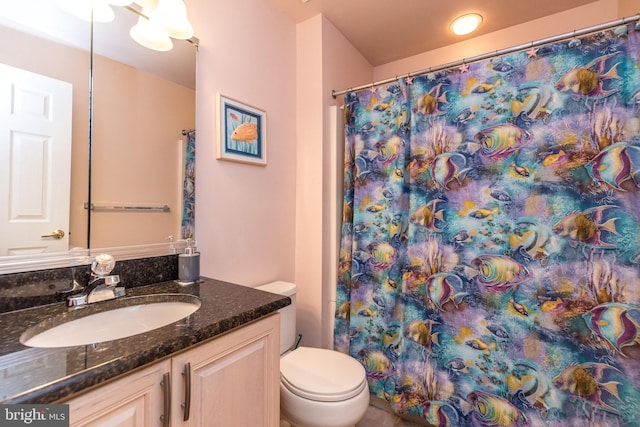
228 381
219 365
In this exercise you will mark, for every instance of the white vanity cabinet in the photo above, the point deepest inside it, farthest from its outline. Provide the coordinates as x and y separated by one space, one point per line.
132 400
229 381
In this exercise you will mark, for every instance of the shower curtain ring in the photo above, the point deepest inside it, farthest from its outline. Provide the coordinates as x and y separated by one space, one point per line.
574 41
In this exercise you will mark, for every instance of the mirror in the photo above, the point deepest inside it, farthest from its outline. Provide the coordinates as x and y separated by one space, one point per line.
130 161
140 111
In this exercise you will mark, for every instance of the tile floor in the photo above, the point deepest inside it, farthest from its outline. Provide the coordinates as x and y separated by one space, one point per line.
378 416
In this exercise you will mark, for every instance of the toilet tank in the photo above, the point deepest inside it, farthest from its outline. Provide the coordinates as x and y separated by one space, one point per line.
287 314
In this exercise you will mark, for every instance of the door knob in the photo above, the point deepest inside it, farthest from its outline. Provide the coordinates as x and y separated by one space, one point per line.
56 234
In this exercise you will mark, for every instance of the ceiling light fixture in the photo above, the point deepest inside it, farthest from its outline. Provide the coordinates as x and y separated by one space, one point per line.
151 35
465 24
159 20
156 27
172 16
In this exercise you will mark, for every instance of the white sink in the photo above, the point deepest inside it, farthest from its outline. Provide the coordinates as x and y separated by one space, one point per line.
141 314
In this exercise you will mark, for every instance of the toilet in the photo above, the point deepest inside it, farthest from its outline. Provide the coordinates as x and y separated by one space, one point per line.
318 387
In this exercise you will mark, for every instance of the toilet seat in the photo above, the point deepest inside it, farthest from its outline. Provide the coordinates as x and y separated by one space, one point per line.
322 375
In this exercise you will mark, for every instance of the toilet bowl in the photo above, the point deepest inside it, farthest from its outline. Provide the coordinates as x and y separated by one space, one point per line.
322 388
318 387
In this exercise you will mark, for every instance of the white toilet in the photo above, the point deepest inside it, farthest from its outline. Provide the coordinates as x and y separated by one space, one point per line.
318 387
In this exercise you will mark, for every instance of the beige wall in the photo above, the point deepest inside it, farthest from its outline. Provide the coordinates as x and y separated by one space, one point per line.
309 175
245 214
324 59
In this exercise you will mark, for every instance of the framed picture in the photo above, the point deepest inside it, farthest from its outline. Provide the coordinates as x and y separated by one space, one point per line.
242 131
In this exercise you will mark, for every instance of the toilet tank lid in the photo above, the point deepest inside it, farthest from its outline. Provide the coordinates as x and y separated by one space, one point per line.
280 287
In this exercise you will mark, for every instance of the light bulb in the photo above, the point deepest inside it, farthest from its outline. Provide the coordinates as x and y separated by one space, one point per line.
465 24
150 35
172 16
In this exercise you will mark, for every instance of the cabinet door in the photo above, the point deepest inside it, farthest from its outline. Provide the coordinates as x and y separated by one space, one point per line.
234 379
134 400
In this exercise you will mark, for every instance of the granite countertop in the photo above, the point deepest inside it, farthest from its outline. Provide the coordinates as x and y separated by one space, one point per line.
47 375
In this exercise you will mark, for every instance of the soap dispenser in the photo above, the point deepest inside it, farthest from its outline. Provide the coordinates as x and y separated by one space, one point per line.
189 265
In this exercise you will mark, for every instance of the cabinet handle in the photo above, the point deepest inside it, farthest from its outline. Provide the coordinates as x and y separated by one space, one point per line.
166 385
187 391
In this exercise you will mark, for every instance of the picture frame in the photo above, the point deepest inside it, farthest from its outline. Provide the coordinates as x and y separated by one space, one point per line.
242 132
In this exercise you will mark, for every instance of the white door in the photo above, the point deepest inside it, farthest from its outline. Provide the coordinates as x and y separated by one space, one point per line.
35 162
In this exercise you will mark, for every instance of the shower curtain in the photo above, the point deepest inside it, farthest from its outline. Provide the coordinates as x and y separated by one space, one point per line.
189 188
489 262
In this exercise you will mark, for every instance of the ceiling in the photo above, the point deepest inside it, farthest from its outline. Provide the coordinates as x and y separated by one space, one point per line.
388 30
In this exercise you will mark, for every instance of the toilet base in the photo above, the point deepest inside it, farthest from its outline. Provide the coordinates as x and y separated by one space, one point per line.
301 412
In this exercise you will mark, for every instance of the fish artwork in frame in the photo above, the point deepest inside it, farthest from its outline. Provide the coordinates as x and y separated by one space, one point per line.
242 131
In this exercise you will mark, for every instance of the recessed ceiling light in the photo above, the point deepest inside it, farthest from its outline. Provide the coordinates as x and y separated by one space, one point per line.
465 24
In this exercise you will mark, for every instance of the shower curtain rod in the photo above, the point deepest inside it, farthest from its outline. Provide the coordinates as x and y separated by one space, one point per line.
520 47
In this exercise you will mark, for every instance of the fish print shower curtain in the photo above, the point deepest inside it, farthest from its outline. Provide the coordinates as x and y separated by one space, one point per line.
490 253
189 188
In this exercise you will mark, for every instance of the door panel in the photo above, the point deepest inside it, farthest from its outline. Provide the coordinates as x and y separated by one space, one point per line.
35 162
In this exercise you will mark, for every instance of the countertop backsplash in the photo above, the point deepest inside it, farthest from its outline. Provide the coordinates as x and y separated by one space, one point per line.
34 288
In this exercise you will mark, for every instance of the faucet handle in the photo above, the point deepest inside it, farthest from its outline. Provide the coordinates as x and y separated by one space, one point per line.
103 264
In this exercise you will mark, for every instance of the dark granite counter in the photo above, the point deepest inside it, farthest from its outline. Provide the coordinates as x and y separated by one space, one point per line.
46 375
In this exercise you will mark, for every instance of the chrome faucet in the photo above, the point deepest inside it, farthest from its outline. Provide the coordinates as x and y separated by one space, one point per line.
102 286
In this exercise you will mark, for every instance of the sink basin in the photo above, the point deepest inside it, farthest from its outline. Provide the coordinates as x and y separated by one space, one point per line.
110 321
